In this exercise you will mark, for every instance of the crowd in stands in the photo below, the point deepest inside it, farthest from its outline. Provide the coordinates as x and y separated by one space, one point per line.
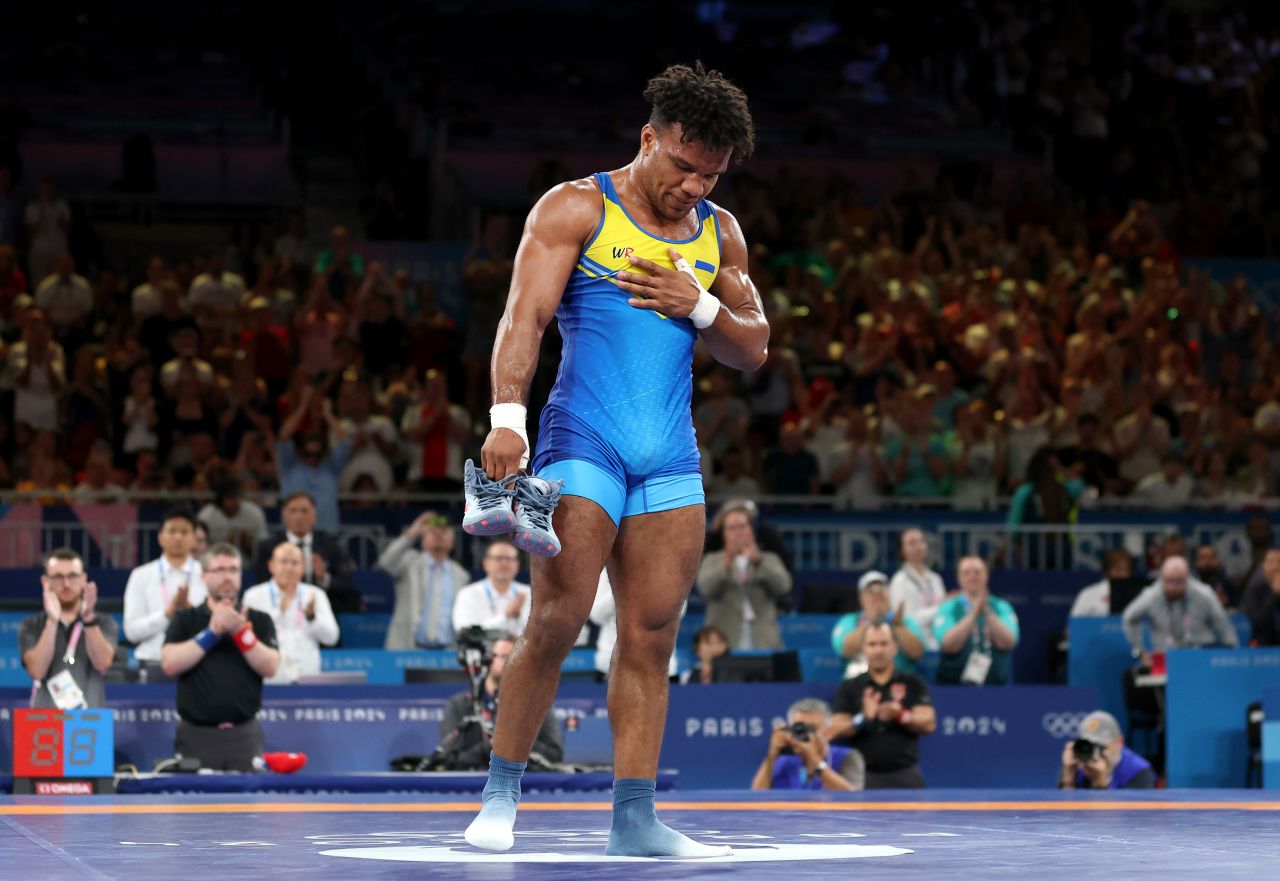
927 347
957 338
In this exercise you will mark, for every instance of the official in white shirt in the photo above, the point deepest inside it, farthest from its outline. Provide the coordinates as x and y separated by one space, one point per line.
916 588
301 612
497 602
426 581
1094 601
156 590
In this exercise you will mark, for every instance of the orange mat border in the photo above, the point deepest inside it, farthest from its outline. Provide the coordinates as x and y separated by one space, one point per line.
30 810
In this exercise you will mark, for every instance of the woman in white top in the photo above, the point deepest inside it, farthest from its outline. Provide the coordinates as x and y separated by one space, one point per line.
301 612
915 588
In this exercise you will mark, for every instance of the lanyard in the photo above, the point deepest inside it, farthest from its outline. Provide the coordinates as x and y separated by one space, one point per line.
922 587
69 658
164 586
493 597
297 602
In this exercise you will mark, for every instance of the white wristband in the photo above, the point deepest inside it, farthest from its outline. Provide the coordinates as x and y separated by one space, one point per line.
512 417
708 307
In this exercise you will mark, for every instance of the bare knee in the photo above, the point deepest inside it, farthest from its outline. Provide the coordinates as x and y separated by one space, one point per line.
553 628
651 644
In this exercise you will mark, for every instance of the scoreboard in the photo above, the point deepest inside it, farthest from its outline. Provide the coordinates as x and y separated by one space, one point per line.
63 752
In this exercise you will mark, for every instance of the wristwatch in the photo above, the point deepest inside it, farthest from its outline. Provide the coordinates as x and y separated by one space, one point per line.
92 622
821 766
858 721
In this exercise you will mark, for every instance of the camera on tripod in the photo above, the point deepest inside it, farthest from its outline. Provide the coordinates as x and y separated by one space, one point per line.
474 655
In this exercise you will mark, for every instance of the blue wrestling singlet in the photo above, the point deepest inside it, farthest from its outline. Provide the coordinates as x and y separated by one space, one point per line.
617 428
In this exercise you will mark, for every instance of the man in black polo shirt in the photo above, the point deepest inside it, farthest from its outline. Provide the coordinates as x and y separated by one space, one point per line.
882 714
220 656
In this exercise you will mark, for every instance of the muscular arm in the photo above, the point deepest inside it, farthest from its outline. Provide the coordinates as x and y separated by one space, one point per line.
739 337
553 236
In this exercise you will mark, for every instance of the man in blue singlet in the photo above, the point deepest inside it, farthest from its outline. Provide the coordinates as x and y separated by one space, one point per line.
635 265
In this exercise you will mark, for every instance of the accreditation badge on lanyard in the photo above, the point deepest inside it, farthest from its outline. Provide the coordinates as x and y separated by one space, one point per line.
979 663
62 687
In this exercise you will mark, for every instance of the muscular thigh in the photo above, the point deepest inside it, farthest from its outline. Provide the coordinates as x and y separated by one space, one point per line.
586 534
655 559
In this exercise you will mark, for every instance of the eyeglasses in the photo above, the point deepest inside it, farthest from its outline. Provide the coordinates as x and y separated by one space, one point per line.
504 559
66 579
223 570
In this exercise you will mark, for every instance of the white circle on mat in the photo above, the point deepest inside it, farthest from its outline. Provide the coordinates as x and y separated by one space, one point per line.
772 853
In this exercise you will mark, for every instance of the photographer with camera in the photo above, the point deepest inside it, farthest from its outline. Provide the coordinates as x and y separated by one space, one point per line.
1098 758
466 731
883 712
800 757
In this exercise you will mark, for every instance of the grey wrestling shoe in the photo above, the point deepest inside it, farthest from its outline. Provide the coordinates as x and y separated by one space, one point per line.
488 503
536 501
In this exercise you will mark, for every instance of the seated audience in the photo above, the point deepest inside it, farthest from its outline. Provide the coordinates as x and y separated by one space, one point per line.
1094 601
300 612
324 563
498 601
848 634
230 517
709 645
742 585
158 590
915 588
426 581
1266 620
976 631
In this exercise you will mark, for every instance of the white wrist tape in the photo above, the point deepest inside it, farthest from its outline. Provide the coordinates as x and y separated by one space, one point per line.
708 307
512 417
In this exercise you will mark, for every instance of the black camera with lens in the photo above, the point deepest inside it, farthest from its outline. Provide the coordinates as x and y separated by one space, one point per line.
801 731
473 649
1085 750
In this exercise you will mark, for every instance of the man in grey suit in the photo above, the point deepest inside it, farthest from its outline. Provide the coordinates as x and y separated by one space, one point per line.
742 585
427 580
1179 611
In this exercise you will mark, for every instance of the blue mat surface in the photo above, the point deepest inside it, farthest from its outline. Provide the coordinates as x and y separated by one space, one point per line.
1204 835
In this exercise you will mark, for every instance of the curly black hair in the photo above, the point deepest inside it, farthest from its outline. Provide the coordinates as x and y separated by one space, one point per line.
708 107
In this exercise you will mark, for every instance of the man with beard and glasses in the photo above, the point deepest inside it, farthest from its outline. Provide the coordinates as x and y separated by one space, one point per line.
220 653
69 642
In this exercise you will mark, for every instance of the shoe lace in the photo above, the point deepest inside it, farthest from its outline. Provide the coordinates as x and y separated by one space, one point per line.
488 491
536 504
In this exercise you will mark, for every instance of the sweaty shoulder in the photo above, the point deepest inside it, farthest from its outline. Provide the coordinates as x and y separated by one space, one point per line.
731 237
568 211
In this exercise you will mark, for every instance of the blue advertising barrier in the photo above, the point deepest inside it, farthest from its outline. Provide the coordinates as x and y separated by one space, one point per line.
1099 653
715 735
1271 738
342 729
1207 694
